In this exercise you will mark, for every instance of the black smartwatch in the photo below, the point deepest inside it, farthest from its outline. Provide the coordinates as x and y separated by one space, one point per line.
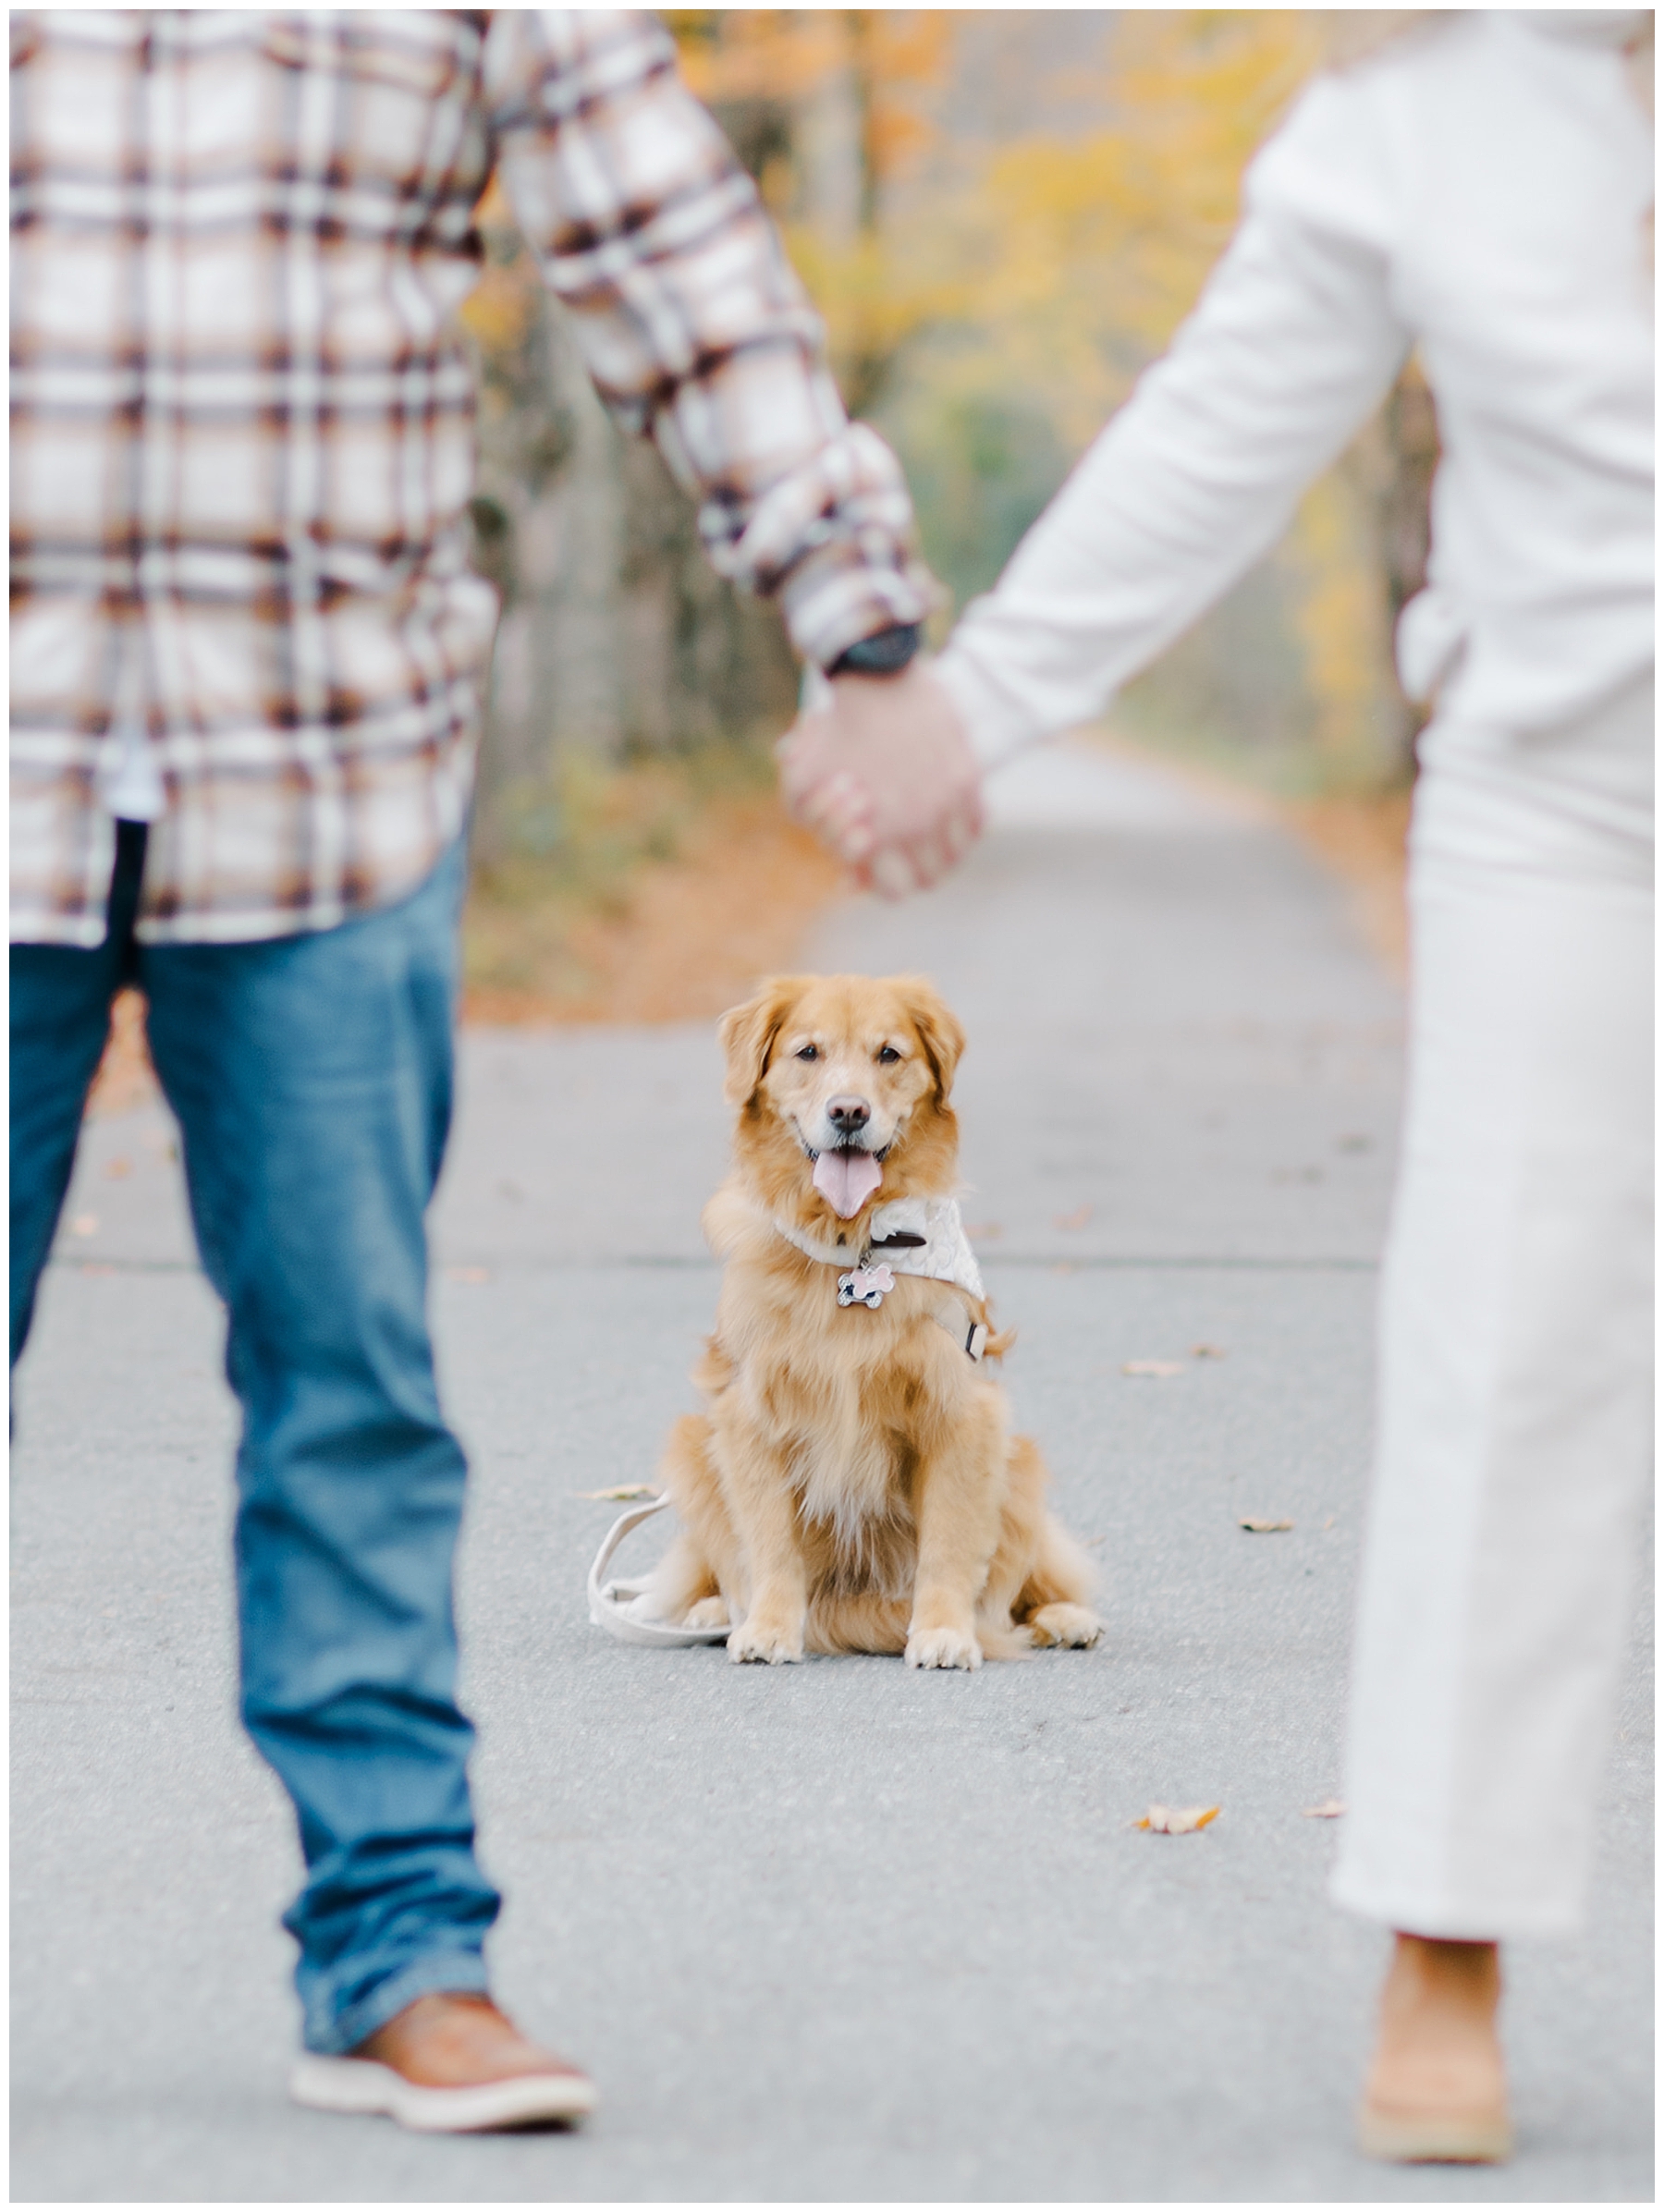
885 653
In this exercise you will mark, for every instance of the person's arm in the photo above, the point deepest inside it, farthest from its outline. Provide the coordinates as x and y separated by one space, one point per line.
693 326
1294 340
1292 344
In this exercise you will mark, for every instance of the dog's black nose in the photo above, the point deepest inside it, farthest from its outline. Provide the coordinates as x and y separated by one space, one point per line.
848 1115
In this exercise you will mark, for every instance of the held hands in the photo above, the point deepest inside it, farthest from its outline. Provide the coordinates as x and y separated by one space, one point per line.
884 775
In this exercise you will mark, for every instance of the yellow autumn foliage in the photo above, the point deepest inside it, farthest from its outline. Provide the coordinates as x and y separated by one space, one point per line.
970 280
1096 248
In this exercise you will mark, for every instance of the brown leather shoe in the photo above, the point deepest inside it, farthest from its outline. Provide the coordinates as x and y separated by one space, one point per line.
449 2064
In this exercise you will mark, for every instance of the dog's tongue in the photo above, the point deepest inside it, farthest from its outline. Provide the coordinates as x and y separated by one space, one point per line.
846 1179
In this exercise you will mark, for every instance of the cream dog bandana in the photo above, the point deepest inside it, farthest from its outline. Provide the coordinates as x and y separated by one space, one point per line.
911 1235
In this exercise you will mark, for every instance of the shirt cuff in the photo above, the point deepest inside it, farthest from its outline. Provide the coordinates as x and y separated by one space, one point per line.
844 591
997 725
832 540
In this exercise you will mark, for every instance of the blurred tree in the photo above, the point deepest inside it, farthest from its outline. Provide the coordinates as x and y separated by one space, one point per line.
1003 217
1094 248
831 108
617 637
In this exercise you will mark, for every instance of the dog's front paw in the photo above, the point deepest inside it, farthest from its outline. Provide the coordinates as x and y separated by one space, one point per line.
709 1613
766 1643
943 1647
1075 1627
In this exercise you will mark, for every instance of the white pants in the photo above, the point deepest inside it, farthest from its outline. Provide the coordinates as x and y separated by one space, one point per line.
1515 1417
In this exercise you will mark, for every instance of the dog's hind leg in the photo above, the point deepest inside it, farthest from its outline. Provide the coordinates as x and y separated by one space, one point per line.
686 1586
682 1588
1022 1517
1076 1627
1052 1602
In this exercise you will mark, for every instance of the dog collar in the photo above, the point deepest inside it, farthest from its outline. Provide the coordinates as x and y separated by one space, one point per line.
913 1236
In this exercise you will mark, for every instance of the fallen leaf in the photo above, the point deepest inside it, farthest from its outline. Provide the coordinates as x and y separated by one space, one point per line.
1258 1526
1330 1809
96 1267
620 1493
118 1169
1177 1820
1077 1219
1329 1522
468 1274
1206 1351
84 1225
1152 1366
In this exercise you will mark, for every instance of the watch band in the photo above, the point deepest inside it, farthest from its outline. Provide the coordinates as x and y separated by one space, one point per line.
881 655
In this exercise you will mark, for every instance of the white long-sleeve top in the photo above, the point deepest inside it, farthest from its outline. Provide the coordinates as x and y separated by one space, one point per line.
1480 187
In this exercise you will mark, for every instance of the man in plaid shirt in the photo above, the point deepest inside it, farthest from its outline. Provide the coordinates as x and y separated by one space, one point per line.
247 660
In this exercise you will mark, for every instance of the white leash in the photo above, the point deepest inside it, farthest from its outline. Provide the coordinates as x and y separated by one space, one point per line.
610 1603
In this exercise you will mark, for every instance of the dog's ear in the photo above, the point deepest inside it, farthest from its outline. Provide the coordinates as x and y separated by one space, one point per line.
747 1033
939 1028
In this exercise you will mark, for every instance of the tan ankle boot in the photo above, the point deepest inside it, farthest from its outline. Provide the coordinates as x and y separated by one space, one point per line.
1436 2089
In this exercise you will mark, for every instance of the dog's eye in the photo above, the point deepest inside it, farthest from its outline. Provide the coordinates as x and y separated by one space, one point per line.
809 1052
887 1053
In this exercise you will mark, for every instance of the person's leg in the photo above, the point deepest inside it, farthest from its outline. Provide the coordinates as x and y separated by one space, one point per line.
1437 2087
1511 1466
312 1078
1515 1417
60 1018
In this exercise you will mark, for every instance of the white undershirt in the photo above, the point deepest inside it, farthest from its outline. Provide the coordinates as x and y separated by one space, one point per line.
129 785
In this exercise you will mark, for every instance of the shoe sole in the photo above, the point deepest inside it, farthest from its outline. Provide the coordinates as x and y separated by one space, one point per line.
1435 2139
360 2086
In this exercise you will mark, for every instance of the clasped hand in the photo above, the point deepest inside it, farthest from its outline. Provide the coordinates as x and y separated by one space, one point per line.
886 775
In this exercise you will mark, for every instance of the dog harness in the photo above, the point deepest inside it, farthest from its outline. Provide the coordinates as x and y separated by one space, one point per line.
910 1236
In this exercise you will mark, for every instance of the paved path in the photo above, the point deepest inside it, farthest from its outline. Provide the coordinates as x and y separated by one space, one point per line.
838 1931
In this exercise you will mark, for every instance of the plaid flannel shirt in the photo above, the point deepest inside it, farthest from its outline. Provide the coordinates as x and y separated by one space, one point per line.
242 443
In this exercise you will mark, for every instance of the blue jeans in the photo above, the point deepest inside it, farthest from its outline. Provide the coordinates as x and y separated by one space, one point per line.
311 1078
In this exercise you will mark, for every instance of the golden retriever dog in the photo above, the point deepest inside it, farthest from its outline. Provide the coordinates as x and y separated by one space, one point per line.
853 1484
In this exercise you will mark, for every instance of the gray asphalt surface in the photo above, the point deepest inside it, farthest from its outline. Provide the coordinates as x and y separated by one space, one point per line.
839 1931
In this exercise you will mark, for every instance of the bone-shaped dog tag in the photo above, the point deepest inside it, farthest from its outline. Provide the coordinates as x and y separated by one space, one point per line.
866 1285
